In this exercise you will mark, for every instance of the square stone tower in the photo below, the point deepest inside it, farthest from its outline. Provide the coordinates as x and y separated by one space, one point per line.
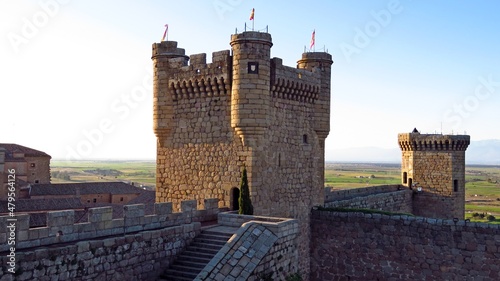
433 166
243 108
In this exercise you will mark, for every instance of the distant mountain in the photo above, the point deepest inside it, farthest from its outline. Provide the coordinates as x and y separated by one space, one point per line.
485 152
364 154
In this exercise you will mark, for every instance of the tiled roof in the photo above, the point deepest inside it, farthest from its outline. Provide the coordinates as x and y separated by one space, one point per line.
84 187
13 148
34 205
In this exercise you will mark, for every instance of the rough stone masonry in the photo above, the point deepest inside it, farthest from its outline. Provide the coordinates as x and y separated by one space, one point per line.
243 108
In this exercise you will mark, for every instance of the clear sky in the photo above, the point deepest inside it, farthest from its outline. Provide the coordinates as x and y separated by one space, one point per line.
76 75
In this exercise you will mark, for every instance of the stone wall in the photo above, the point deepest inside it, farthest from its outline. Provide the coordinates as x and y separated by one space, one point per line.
147 235
343 194
38 169
400 201
263 246
355 246
61 226
141 256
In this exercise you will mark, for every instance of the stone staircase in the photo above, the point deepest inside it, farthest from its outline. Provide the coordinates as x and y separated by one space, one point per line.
196 256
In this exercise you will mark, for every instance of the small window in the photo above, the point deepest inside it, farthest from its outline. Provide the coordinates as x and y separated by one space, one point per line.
37 181
88 201
304 138
95 200
405 177
121 198
32 165
455 185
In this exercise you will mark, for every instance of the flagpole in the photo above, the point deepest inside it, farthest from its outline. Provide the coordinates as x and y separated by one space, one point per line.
253 22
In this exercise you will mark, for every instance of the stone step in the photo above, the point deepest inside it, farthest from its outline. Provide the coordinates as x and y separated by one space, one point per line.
207 246
191 263
203 250
196 256
217 233
179 274
212 239
190 253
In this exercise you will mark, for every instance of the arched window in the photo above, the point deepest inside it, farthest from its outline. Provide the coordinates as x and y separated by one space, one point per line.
455 185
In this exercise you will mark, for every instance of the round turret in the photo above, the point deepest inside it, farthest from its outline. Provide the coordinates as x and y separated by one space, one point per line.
251 83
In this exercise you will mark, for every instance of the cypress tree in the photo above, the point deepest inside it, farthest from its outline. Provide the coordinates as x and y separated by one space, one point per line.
245 203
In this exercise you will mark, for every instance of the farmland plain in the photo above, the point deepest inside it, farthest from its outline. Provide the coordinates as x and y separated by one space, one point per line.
482 188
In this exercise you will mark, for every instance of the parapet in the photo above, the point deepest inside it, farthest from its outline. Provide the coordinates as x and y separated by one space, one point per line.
293 83
252 37
432 142
168 49
61 226
310 60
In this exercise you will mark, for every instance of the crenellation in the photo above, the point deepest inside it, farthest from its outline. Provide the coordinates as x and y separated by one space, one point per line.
62 228
433 166
164 208
198 60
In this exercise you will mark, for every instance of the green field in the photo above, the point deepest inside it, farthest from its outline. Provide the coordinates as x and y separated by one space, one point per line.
482 188
139 172
342 176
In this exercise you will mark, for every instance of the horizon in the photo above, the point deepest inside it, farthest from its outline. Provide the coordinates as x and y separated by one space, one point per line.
81 71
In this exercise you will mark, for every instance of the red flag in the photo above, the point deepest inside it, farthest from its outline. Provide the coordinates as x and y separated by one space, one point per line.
313 39
252 14
165 33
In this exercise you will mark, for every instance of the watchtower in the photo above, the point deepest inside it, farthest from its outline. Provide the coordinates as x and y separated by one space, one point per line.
433 166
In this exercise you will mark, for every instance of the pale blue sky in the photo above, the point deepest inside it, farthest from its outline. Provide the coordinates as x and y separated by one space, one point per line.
76 74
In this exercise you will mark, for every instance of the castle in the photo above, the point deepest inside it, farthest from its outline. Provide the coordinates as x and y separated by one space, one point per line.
243 109
247 109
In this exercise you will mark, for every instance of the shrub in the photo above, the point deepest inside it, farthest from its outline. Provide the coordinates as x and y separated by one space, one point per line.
244 201
490 218
294 277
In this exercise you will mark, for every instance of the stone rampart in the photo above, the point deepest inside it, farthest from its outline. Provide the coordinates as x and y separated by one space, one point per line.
135 247
263 246
200 79
396 201
294 83
61 226
140 256
355 246
344 194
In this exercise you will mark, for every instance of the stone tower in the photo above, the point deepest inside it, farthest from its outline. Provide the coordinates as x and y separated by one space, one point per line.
243 108
433 166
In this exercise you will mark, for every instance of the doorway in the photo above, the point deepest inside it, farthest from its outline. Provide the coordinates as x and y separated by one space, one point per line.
235 198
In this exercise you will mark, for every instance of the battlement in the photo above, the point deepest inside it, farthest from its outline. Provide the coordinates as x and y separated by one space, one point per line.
61 226
433 142
199 78
251 37
294 83
168 49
